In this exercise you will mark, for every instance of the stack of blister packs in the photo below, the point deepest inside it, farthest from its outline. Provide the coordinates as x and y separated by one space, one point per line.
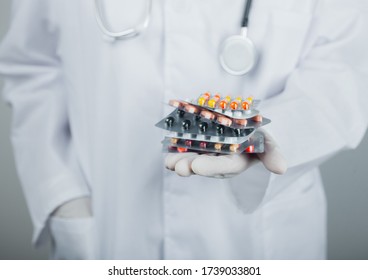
212 124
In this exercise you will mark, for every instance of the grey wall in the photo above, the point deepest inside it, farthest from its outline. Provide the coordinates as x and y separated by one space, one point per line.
15 223
345 178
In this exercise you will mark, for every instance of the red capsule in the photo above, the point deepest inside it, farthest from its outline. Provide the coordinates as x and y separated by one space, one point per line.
188 143
223 104
241 122
216 97
224 121
206 95
257 118
245 105
250 149
191 109
182 150
208 115
203 145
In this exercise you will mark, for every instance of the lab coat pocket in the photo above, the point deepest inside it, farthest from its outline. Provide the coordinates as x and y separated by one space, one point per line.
73 238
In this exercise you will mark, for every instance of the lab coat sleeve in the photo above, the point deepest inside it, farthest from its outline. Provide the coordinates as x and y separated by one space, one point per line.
45 159
323 107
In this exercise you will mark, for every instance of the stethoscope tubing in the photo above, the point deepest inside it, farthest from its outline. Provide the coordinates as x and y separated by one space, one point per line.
127 33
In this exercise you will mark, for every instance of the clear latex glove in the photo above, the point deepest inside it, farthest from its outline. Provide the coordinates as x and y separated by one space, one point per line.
77 208
226 166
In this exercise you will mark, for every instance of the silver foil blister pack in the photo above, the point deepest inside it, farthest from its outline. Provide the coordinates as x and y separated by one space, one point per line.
179 123
254 144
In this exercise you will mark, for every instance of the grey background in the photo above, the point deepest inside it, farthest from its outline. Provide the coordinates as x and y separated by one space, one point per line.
345 178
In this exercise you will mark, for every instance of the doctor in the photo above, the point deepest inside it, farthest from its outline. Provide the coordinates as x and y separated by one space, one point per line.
89 156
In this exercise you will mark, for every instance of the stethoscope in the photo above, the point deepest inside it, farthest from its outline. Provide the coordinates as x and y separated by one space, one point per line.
238 55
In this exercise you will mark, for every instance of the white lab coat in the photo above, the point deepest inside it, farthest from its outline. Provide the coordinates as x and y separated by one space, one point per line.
85 108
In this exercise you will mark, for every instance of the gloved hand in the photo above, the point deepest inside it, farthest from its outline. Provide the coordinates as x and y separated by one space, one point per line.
226 166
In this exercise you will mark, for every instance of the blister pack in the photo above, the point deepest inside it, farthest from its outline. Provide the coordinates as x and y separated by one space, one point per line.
212 124
253 118
255 144
181 122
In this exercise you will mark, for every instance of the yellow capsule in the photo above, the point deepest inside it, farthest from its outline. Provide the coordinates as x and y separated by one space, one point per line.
228 98
234 147
239 99
212 103
250 100
201 101
218 146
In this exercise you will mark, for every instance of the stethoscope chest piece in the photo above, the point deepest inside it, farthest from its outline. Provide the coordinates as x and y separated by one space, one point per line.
238 55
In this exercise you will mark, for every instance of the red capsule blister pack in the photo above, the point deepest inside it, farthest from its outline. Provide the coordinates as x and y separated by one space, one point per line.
254 144
214 124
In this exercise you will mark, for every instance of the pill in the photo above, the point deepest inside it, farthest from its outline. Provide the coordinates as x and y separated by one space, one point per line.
206 95
191 109
212 103
180 113
204 98
175 103
239 99
257 118
170 121
224 121
250 149
220 129
174 141
241 122
188 143
182 150
208 115
203 126
186 124
234 147
250 99
218 146
216 97
223 104
228 98
234 104
201 101
245 105
203 145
